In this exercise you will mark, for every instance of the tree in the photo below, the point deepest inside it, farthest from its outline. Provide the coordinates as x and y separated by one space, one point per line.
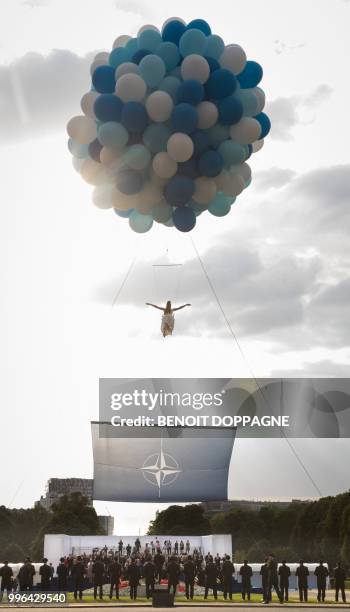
12 553
184 520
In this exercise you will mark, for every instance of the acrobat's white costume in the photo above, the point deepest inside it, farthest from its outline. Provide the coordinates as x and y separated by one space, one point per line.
168 322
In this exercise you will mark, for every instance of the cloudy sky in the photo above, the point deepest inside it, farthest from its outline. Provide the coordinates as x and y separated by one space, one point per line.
279 262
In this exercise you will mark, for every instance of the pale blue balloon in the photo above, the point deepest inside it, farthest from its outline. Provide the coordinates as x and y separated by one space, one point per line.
140 223
214 46
232 152
192 41
78 150
152 69
249 102
149 40
137 156
170 84
113 134
220 205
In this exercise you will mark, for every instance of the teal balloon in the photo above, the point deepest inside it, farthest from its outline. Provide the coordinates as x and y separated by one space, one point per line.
81 151
192 41
214 46
169 53
176 72
220 205
170 84
137 157
113 134
140 223
217 134
249 102
156 137
152 69
131 47
150 40
118 56
232 152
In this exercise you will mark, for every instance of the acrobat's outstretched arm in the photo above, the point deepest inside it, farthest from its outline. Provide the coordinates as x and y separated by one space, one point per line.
179 307
154 306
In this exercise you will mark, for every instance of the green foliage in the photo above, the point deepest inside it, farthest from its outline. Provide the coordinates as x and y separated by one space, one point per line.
184 520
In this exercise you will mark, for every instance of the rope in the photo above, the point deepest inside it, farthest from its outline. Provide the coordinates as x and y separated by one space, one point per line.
306 471
121 287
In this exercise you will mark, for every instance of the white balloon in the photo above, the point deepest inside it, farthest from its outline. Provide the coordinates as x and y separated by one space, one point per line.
126 68
260 94
233 58
147 27
180 147
258 145
163 165
159 106
95 64
77 163
82 129
195 67
244 170
131 87
207 115
103 56
102 196
87 103
121 41
150 195
109 156
205 190
231 183
93 172
246 131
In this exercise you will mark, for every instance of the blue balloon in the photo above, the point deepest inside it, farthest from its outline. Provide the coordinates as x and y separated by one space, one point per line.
113 134
199 24
190 91
184 118
173 31
125 214
179 190
220 205
118 56
188 168
156 136
248 100
217 134
129 181
251 75
131 48
149 39
214 46
170 84
103 79
139 55
184 219
232 152
152 69
108 107
210 163
134 117
221 83
213 63
140 223
95 150
78 150
201 142
265 124
230 110
192 41
169 53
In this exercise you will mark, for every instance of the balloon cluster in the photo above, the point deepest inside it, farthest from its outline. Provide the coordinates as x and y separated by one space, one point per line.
169 124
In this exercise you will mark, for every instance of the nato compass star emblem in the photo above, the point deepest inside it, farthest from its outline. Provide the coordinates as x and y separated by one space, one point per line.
160 470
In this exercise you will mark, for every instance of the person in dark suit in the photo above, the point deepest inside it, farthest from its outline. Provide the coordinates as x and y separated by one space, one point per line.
159 561
190 573
46 574
227 570
246 572
62 575
321 573
339 582
272 577
302 574
264 579
6 575
133 577
78 572
26 575
173 573
211 576
98 570
149 572
115 572
284 574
